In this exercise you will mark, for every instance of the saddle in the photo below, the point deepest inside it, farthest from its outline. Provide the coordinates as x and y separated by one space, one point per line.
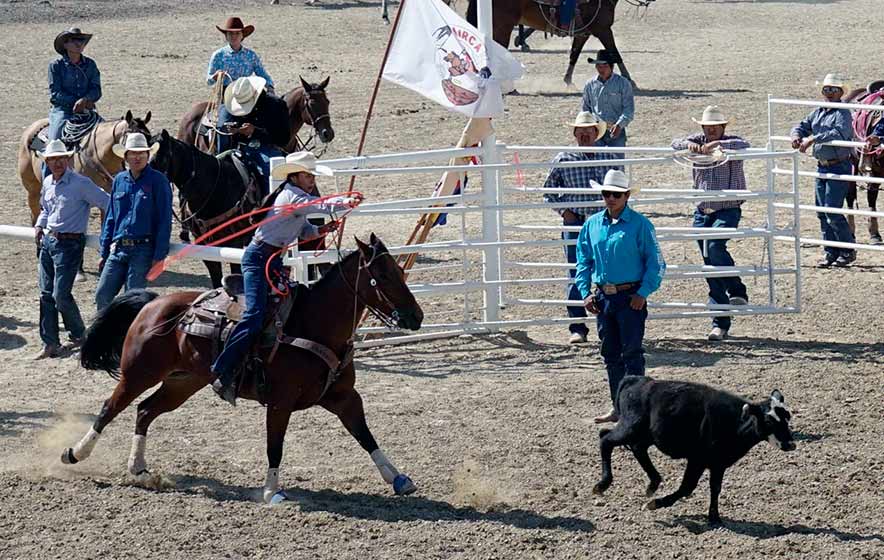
215 313
551 11
75 129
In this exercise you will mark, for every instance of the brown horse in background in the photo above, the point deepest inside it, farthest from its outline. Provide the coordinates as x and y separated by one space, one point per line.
307 104
597 17
137 341
868 163
94 158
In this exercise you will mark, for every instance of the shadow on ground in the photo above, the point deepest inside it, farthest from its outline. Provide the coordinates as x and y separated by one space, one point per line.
697 525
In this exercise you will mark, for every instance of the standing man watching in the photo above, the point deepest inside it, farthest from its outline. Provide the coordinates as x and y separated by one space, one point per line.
823 125
139 219
59 233
587 130
610 97
724 214
617 250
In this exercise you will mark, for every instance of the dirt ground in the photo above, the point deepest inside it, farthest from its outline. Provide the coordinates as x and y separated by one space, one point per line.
495 430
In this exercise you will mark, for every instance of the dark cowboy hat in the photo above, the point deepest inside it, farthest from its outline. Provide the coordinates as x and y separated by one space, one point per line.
606 57
72 33
235 24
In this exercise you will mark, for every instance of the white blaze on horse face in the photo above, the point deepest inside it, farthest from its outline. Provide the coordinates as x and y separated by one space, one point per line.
386 468
137 463
271 484
85 446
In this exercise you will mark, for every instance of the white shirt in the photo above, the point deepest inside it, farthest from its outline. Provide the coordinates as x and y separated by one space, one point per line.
284 224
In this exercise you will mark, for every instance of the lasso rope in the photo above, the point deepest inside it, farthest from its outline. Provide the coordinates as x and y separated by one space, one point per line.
79 126
693 160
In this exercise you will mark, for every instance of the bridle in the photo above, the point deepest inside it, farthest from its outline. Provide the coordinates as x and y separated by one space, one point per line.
390 321
208 198
310 144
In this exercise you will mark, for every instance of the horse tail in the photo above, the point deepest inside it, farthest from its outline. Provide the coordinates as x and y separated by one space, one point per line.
103 342
472 16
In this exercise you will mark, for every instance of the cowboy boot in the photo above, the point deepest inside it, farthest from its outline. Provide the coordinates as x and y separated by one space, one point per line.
225 387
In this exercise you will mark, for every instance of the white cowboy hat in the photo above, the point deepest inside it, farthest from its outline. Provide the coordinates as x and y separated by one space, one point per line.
586 119
240 96
299 162
56 148
712 116
615 181
135 142
834 80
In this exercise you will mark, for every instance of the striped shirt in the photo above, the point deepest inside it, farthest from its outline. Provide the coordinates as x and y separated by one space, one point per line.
238 64
728 176
577 178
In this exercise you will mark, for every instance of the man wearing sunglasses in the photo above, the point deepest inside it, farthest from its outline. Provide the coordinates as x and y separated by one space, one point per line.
718 214
823 125
587 129
617 251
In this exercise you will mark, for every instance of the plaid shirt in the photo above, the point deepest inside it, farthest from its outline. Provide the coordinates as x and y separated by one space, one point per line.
723 177
576 178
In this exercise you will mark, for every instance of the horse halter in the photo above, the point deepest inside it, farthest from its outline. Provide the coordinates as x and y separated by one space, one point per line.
390 321
313 118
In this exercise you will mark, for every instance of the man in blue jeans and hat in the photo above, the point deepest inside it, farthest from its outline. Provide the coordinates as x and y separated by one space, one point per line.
714 214
826 124
617 250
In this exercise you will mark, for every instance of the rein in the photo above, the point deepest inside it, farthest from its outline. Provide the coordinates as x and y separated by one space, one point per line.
309 144
389 321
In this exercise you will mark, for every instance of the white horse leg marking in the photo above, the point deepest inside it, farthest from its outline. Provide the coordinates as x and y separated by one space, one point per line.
271 484
137 463
386 468
84 447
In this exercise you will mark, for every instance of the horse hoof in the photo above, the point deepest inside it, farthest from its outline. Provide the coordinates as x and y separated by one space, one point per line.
651 505
599 489
403 485
67 457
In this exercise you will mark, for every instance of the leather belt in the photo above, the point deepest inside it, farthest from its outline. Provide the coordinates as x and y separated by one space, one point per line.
267 246
62 235
828 162
611 289
131 242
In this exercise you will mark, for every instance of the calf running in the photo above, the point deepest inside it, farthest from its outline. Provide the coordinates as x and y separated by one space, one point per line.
712 429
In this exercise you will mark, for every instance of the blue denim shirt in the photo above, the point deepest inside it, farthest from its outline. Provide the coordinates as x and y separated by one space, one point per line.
69 82
139 208
879 128
611 100
238 64
826 125
64 204
619 251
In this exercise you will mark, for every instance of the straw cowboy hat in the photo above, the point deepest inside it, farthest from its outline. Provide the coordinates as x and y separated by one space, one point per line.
299 162
240 96
235 24
605 56
56 148
64 36
615 181
712 116
586 119
135 142
834 80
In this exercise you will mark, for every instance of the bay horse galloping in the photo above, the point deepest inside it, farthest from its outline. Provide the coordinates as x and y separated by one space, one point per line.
94 157
868 162
596 19
307 104
213 190
135 339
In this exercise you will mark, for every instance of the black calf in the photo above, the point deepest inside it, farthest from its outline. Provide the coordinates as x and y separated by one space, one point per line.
710 428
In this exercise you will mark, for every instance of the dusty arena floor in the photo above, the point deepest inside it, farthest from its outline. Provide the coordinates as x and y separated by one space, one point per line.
495 430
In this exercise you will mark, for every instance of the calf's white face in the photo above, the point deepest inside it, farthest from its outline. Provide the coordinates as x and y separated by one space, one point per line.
776 423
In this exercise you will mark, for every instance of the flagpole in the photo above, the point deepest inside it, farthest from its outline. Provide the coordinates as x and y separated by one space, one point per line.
377 85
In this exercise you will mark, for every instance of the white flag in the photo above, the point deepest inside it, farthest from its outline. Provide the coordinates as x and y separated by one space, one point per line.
439 55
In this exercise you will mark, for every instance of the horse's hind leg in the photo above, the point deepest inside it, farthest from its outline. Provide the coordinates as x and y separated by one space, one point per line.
127 390
171 394
850 199
872 197
347 406
214 269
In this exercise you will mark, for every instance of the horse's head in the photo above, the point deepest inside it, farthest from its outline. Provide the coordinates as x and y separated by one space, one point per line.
135 124
317 109
162 161
382 285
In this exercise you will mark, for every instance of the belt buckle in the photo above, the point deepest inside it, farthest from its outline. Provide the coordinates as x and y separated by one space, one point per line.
708 211
609 289
126 243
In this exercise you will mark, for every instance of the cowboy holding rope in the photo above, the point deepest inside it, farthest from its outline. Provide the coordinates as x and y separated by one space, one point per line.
724 214
262 260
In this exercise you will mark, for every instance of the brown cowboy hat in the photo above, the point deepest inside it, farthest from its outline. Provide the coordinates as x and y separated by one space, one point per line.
235 24
64 36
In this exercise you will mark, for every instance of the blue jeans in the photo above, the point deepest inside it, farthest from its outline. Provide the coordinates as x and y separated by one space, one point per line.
720 289
256 290
621 330
59 262
259 159
831 193
222 141
566 12
571 291
618 142
124 266
57 118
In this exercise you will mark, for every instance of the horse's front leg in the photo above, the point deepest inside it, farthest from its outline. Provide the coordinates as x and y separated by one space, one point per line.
277 424
347 406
